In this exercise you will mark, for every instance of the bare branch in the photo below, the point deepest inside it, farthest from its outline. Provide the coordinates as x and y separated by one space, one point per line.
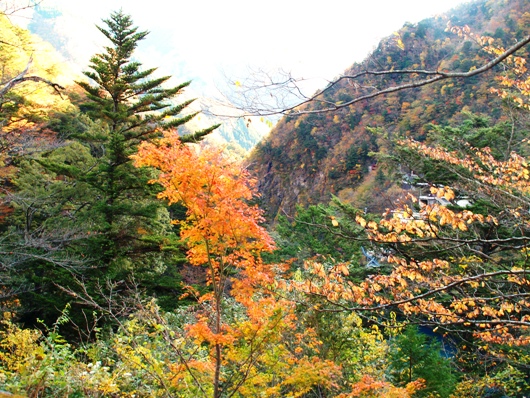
432 76
21 78
11 7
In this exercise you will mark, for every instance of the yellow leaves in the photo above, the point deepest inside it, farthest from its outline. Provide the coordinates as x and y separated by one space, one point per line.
23 51
473 284
509 174
519 83
180 375
515 79
372 225
376 287
398 41
445 192
308 372
361 221
412 228
461 306
461 225
334 221
507 307
19 348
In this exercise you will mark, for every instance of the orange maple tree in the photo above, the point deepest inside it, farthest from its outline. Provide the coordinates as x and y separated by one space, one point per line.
223 234
368 387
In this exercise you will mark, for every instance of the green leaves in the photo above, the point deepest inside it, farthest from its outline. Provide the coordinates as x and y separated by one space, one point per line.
415 356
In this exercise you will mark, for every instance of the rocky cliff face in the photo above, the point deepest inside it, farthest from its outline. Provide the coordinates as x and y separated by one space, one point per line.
308 158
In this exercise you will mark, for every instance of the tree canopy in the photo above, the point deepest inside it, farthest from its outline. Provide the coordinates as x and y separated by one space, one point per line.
135 260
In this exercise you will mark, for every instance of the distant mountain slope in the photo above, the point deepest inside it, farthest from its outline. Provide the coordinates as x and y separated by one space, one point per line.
308 158
237 135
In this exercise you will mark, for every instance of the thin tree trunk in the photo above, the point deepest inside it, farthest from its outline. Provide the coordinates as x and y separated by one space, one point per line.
217 390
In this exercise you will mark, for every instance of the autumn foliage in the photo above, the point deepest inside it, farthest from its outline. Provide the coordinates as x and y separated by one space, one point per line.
515 83
224 237
327 315
483 290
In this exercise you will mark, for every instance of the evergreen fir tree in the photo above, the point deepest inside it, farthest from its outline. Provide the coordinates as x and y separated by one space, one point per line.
133 106
122 230
413 355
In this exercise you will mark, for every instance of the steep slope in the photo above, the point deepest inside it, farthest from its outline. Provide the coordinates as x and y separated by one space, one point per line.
308 158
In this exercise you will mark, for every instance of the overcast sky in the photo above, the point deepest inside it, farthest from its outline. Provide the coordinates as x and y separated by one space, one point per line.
204 39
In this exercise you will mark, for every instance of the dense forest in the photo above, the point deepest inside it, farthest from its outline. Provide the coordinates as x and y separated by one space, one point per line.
310 157
390 260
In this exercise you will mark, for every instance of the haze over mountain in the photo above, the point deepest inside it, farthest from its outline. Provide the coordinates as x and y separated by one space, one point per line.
134 262
206 42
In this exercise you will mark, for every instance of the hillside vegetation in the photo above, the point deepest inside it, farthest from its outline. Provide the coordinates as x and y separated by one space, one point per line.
306 159
135 260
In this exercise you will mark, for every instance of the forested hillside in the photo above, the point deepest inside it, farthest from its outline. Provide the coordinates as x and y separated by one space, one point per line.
308 158
135 260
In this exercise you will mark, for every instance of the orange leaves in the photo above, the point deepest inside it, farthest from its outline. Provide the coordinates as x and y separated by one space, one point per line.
180 372
372 225
343 268
223 235
455 292
361 221
368 387
221 228
446 217
516 79
461 31
510 174
329 282
202 332
444 192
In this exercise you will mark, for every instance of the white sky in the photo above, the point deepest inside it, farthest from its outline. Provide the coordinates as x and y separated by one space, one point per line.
201 39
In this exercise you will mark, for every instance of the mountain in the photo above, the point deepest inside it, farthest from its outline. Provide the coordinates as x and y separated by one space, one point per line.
308 158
